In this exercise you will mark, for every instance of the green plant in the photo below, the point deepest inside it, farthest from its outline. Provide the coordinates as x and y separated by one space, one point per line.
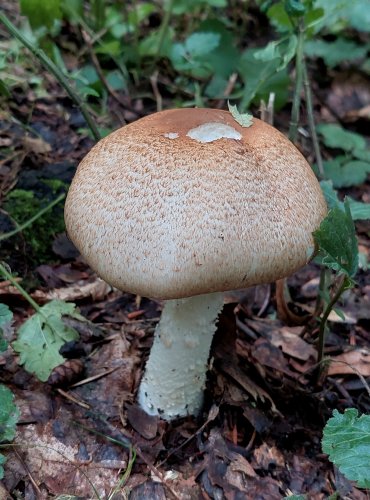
9 415
43 334
39 223
346 440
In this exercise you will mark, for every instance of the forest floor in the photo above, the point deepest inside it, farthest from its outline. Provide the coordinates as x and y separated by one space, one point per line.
82 433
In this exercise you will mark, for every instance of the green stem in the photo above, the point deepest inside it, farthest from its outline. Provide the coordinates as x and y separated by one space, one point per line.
29 222
50 66
6 274
311 121
163 29
340 289
299 61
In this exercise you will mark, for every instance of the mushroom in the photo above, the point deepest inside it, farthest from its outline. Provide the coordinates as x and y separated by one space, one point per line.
183 205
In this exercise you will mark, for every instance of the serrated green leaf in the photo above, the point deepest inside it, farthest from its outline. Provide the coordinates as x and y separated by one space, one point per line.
244 119
41 337
346 173
9 415
347 442
295 497
335 52
336 241
334 136
359 210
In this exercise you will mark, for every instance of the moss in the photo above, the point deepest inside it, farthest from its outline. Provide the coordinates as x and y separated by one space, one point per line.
21 205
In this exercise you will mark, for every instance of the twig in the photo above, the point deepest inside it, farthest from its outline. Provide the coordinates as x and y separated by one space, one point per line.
163 30
311 121
99 70
293 129
53 68
157 94
72 398
22 291
29 222
340 289
94 377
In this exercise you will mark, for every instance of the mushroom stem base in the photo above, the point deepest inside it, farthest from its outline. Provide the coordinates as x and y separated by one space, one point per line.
175 373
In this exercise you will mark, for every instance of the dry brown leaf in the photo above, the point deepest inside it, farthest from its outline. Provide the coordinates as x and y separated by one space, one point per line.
350 362
348 319
266 455
36 145
97 290
56 464
288 340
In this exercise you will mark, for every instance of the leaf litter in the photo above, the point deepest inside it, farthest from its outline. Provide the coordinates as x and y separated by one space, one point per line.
260 430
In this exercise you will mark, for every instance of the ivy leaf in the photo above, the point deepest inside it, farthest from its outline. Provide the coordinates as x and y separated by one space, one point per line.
41 337
347 442
244 119
336 241
9 415
5 318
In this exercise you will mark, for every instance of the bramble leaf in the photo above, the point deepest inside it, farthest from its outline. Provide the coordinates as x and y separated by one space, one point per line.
42 335
347 442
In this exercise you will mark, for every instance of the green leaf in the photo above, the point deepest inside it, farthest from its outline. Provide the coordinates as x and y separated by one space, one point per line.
336 241
294 8
333 53
346 173
41 12
41 337
9 415
255 75
283 50
200 44
334 136
6 317
244 119
359 210
347 442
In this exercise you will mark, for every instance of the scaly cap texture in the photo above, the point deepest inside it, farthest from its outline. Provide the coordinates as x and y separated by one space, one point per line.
186 202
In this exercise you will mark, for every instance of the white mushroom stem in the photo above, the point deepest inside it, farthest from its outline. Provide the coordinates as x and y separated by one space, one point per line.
175 373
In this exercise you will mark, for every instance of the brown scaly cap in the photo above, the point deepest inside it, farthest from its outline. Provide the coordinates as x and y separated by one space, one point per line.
186 201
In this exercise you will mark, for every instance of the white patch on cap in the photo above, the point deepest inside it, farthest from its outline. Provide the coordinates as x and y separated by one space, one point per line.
171 135
209 132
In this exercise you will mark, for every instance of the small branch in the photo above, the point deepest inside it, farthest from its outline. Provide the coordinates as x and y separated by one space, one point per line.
311 121
53 68
21 290
99 70
29 222
163 30
299 60
340 289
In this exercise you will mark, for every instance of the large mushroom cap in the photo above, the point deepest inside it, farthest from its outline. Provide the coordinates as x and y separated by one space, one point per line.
187 201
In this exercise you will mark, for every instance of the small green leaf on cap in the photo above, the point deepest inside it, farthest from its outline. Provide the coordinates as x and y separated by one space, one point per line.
244 119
